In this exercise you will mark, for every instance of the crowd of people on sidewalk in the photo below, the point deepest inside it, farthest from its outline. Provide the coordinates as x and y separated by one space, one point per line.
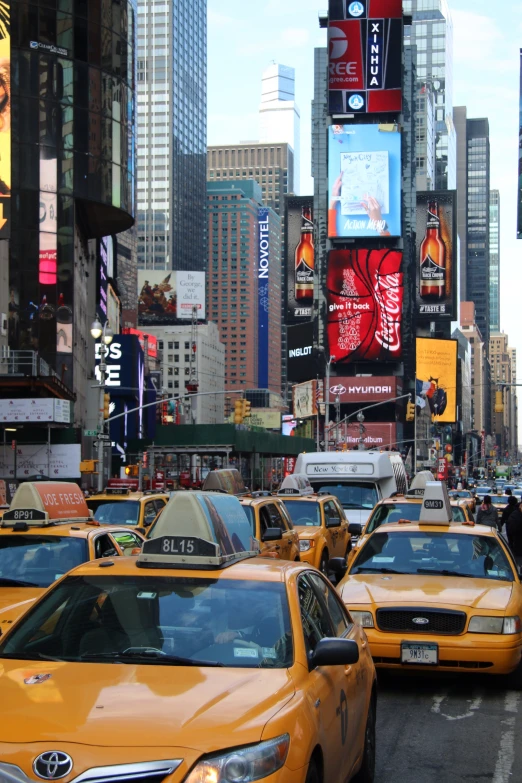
509 522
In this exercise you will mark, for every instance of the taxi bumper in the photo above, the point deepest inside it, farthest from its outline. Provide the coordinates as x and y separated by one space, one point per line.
488 653
310 556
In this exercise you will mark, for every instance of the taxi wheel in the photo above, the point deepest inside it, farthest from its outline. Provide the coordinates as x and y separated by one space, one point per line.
323 565
514 680
313 773
366 773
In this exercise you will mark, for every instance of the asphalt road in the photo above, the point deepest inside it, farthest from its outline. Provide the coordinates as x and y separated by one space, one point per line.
451 730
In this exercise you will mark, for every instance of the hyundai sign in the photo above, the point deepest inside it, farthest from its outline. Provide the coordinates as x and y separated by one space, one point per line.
263 271
365 56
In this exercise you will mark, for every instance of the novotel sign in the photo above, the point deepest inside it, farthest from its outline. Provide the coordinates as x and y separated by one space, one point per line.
365 389
263 259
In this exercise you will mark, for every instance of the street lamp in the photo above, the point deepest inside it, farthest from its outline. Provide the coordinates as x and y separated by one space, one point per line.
106 334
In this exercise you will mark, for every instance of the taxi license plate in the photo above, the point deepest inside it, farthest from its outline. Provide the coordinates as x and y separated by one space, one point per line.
424 654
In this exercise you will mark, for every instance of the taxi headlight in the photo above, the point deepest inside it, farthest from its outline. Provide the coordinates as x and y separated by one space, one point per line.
499 625
244 765
364 619
305 546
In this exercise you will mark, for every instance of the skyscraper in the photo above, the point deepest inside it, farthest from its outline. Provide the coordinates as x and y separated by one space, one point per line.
432 34
494 261
172 86
279 117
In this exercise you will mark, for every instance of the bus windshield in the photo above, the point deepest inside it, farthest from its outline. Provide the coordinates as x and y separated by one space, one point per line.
353 494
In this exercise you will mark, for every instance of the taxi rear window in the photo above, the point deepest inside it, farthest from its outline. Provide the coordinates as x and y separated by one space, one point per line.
304 513
159 620
446 554
392 512
38 560
122 512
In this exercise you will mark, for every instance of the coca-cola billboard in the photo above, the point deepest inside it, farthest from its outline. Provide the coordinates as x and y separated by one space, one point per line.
367 389
364 301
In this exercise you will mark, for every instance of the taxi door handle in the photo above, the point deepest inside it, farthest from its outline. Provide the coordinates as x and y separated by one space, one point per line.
363 645
277 546
347 671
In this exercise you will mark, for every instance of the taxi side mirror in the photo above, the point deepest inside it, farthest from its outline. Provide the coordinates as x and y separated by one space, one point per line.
355 529
336 569
272 534
335 652
333 522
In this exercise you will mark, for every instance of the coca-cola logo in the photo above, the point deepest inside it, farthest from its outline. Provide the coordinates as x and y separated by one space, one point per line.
388 292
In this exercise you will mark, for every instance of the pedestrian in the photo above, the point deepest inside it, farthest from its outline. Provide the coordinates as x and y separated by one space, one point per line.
487 513
514 532
512 505
508 492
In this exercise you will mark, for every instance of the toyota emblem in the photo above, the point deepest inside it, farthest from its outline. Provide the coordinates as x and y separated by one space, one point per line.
420 621
53 765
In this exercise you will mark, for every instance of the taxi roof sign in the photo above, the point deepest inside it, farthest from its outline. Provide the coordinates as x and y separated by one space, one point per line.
436 507
229 481
205 530
46 502
296 484
418 485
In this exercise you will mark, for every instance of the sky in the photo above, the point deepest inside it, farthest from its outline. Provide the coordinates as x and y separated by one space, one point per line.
244 38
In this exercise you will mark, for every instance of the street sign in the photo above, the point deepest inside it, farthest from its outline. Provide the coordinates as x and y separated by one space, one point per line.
89 433
104 437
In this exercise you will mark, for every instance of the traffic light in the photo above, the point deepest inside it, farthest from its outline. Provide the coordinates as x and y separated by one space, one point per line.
238 411
410 411
246 406
106 406
499 402
131 470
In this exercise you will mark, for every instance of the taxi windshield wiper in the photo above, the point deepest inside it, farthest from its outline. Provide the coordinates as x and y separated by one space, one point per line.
147 656
379 570
444 572
6 582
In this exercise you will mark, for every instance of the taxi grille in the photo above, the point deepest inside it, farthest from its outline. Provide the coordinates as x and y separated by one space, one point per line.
433 621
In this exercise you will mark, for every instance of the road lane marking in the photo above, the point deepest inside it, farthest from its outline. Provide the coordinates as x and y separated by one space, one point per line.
506 754
474 705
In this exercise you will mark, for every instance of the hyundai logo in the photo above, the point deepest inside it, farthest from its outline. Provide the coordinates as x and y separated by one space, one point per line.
420 621
338 43
53 765
338 390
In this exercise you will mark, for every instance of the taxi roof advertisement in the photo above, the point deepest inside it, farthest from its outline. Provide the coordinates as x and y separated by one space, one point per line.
436 385
365 56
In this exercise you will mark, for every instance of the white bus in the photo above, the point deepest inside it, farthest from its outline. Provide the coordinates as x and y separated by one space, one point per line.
358 478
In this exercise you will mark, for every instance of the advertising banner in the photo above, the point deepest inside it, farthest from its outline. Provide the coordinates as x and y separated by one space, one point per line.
365 56
519 222
265 417
305 400
263 271
60 461
368 389
41 410
364 181
364 295
300 342
5 120
436 255
375 435
300 259
168 297
436 386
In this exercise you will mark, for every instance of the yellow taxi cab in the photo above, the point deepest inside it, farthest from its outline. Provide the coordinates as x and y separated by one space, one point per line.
270 521
400 507
46 532
464 497
241 668
122 506
436 595
319 519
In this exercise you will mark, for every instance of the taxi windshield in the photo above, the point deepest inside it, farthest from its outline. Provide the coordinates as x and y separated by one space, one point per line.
393 512
160 620
304 513
121 512
447 554
38 560
459 493
356 494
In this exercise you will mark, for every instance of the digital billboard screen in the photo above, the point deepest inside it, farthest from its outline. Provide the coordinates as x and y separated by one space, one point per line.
301 362
436 386
364 181
365 41
364 296
436 262
167 297
299 259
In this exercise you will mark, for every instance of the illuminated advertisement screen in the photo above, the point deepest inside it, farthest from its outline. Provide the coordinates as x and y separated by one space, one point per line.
436 263
300 259
364 296
365 56
5 120
519 224
436 386
364 181
263 272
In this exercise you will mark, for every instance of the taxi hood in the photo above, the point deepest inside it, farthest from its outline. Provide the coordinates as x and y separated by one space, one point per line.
394 589
131 706
14 601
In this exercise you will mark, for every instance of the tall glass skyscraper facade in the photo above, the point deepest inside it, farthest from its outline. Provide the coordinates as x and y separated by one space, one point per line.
494 261
432 34
172 134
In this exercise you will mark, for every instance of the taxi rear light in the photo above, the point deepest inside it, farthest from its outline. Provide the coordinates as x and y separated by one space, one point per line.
404 522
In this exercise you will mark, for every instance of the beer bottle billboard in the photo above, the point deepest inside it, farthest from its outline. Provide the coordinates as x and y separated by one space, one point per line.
436 255
305 259
432 258
299 259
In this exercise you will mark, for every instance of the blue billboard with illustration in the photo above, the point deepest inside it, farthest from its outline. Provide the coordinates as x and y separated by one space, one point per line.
364 181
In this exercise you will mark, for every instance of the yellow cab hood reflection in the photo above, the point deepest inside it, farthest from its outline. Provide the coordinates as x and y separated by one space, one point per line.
14 601
307 531
395 589
122 705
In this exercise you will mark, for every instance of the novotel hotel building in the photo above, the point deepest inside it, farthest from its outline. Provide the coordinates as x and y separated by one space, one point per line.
244 283
67 184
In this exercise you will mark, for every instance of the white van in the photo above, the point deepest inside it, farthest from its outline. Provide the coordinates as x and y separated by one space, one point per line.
358 478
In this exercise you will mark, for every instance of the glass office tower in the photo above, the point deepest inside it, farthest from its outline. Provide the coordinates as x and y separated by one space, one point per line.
494 261
172 131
